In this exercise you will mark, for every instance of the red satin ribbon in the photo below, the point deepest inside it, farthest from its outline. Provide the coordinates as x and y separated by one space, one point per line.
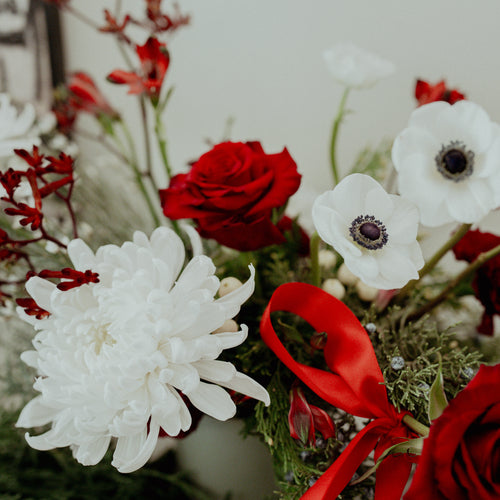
355 385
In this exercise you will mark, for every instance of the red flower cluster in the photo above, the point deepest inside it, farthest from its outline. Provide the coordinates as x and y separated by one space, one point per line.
163 22
71 278
461 457
234 192
154 60
85 96
41 187
305 419
426 93
31 308
486 282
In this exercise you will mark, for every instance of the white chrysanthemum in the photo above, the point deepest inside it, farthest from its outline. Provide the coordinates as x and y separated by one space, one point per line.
355 67
448 162
15 127
375 232
113 356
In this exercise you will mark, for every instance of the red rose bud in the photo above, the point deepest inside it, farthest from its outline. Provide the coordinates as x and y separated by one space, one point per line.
318 340
231 192
85 96
154 59
426 93
486 281
300 418
322 422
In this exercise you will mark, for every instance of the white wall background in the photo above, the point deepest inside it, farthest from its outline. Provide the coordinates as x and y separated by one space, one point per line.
260 62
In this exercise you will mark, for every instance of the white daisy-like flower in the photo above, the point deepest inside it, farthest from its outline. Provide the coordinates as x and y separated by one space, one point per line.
448 162
16 127
356 68
375 232
114 357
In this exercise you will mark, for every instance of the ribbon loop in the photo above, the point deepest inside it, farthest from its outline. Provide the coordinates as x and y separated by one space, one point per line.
355 384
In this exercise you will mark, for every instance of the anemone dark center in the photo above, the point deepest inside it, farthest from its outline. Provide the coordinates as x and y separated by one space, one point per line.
368 232
455 162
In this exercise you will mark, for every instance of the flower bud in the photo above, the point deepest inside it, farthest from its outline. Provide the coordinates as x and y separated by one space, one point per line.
334 287
327 258
229 326
366 292
228 285
346 276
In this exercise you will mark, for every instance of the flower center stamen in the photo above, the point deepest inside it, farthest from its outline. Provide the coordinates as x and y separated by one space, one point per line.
368 232
455 162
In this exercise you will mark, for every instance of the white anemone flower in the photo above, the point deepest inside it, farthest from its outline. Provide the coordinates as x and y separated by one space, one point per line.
114 357
16 127
375 232
448 162
356 68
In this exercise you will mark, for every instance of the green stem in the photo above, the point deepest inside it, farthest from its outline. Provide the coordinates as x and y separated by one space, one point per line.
314 250
481 259
81 16
133 163
416 426
162 143
431 264
147 143
335 131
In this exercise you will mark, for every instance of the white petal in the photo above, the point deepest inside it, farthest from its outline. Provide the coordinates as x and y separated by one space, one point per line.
213 400
35 414
133 452
245 385
81 255
232 302
92 452
41 291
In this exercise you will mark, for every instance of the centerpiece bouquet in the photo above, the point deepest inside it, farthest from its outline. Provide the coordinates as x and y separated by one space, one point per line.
226 289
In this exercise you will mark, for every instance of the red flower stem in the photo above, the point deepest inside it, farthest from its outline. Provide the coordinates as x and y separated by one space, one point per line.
416 426
481 259
81 16
335 131
432 262
314 250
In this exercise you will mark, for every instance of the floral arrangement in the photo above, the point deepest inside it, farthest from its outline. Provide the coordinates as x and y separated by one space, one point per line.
367 370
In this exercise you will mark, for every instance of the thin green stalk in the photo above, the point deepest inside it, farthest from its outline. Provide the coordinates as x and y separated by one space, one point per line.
335 131
432 262
134 164
147 143
314 251
162 142
80 15
416 426
481 259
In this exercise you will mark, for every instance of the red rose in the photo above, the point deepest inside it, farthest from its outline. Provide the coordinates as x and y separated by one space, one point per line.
426 93
461 456
486 282
231 192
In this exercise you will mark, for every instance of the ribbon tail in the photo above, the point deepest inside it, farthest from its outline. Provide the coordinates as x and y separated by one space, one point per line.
392 476
335 478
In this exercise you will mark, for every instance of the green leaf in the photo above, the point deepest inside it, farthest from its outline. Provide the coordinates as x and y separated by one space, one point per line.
412 447
437 397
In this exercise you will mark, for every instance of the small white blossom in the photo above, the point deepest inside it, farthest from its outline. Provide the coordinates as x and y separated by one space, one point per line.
375 232
228 285
346 276
366 292
114 357
334 287
327 258
16 127
356 68
447 160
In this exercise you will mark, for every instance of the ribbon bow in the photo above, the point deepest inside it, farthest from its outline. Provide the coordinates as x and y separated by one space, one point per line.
355 385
